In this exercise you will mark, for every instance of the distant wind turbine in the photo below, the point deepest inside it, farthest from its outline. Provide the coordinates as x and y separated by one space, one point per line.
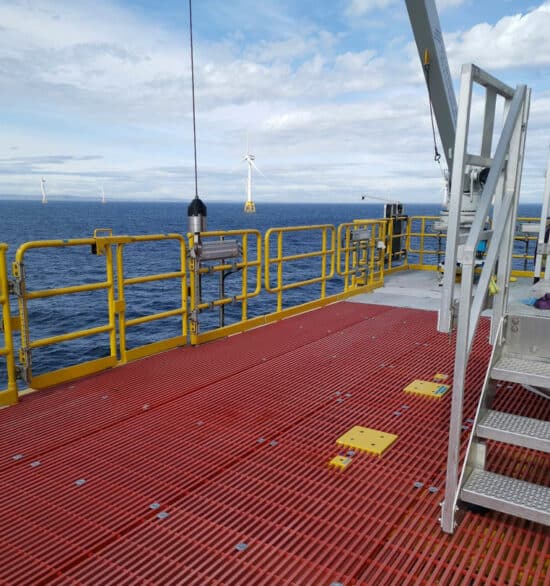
250 206
42 183
102 194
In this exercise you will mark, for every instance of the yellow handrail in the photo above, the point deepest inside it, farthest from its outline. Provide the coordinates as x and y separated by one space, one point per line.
115 285
358 254
120 302
327 252
8 396
27 344
361 253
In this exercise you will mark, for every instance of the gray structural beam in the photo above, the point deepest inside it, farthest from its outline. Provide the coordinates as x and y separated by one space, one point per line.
428 36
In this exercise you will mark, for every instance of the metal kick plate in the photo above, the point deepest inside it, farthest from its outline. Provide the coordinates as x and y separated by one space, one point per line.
367 440
427 389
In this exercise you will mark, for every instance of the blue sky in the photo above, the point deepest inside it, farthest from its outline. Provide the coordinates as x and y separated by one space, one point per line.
330 94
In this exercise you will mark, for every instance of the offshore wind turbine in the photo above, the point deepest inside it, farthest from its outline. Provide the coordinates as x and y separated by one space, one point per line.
103 200
250 206
42 183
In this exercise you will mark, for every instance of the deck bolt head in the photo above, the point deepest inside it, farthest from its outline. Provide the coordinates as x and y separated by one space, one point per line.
17 457
162 515
35 464
154 506
241 546
80 481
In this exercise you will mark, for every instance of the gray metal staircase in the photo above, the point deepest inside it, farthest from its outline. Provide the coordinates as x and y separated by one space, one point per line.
521 355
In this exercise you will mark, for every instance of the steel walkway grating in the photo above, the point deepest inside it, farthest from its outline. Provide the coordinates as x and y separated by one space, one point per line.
232 440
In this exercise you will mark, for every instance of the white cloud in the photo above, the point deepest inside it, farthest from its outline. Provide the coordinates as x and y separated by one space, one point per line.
520 40
361 7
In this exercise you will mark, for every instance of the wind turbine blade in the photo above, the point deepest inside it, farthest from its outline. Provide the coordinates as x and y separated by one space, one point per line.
256 167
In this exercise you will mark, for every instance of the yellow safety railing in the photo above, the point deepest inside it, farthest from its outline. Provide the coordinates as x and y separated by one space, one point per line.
24 296
362 253
355 257
326 254
120 303
8 396
419 233
115 284
528 239
248 263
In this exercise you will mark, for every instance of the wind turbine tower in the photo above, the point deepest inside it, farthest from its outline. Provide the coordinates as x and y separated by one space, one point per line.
42 183
102 194
250 206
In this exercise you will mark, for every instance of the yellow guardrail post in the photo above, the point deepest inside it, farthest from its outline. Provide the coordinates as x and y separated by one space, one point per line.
119 305
279 270
9 395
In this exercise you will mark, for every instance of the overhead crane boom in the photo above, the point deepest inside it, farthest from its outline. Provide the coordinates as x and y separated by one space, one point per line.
433 56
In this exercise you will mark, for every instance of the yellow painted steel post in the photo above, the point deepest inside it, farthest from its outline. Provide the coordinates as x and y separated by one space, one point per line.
184 288
408 237
389 239
109 269
244 272
279 270
324 263
346 264
9 396
120 303
193 280
18 271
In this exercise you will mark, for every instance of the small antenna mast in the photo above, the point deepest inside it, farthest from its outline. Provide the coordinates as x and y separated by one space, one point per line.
193 94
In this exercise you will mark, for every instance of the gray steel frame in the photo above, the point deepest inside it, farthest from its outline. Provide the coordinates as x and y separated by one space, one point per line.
502 186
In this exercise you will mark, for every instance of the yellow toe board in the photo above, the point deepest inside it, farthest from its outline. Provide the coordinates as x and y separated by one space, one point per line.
367 440
427 389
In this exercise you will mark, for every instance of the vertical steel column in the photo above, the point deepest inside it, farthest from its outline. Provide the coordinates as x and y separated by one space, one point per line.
8 396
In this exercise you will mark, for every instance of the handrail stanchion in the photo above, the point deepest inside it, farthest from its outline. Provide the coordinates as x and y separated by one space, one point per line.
9 395
121 302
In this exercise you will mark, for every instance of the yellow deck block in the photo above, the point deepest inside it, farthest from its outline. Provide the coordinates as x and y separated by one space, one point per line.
440 377
340 462
427 389
367 440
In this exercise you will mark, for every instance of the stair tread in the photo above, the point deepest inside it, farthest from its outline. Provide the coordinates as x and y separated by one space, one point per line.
514 369
515 429
509 495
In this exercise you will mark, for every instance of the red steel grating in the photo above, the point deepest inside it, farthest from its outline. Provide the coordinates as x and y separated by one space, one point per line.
209 465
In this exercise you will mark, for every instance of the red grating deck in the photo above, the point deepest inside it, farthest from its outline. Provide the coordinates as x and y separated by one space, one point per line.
232 439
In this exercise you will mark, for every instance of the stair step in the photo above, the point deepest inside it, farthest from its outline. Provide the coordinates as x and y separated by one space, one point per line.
515 429
520 370
508 495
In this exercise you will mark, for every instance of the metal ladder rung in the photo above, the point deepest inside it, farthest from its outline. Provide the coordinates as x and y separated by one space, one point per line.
515 429
508 495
